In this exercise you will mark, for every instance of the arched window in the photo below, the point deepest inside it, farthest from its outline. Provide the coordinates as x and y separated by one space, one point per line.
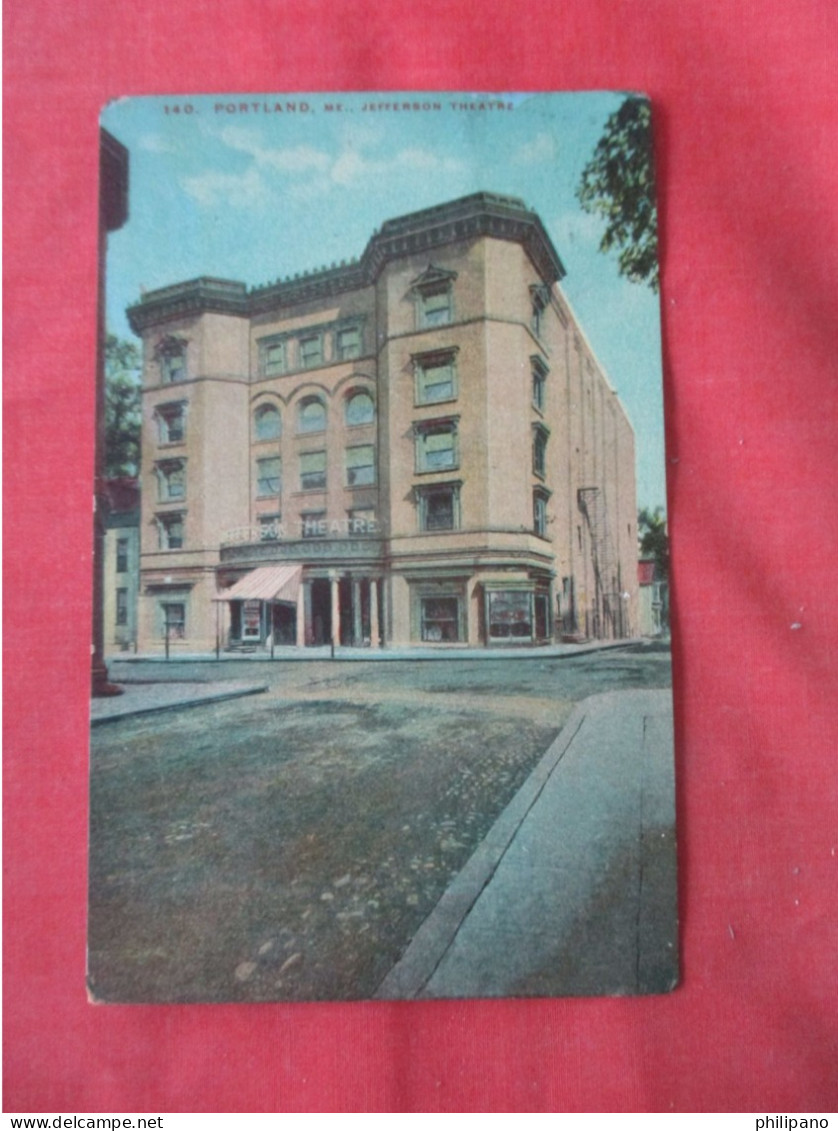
311 415
267 423
360 408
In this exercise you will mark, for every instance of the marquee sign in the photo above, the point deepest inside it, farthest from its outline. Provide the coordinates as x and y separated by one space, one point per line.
305 528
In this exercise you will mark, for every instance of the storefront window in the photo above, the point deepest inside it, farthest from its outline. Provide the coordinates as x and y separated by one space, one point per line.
542 616
251 620
174 619
440 619
510 615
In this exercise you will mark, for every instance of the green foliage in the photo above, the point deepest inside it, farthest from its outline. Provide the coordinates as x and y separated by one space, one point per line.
618 183
122 407
654 539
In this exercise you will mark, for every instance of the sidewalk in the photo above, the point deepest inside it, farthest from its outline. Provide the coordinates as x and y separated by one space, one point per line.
573 890
293 654
145 698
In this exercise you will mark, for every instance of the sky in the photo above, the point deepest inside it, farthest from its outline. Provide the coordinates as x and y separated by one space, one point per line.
232 187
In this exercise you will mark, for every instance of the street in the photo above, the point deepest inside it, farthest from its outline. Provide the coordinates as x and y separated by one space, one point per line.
288 846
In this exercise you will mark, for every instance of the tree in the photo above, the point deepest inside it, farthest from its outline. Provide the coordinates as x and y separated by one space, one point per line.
654 539
618 183
122 407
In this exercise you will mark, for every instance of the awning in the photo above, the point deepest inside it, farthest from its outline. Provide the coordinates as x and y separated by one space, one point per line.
267 583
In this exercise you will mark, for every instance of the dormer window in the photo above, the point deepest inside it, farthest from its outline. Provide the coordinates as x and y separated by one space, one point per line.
434 296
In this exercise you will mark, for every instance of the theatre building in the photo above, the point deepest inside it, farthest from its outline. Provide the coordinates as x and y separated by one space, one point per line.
417 447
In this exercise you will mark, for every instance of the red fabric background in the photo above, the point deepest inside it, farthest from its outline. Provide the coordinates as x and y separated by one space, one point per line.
746 101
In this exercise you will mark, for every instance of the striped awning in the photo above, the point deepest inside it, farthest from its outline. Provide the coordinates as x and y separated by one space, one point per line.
267 583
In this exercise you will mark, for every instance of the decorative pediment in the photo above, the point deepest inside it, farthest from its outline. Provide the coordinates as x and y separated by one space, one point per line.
433 276
170 346
541 292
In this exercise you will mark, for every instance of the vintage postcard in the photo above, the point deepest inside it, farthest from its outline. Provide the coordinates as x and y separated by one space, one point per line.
382 685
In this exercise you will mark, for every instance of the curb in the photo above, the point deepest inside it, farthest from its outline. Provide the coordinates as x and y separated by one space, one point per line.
434 937
179 705
346 655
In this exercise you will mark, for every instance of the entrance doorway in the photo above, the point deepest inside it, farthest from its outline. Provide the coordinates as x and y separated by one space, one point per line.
320 629
284 623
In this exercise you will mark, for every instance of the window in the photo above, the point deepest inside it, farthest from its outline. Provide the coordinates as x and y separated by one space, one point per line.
171 423
435 305
311 415
267 423
539 513
436 446
311 351
348 343
362 521
269 527
539 451
542 616
313 471
171 480
171 357
440 619
539 305
439 507
539 383
434 297
314 524
268 476
170 531
273 357
122 555
360 408
436 377
360 466
174 619
509 615
122 606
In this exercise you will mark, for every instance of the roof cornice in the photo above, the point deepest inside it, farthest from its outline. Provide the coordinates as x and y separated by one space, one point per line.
481 214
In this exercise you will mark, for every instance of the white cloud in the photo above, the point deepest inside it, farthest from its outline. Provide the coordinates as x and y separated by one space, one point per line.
350 167
308 171
235 190
154 143
578 228
296 159
543 147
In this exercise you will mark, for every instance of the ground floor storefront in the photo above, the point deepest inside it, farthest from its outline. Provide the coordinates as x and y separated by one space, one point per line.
361 610
357 593
299 605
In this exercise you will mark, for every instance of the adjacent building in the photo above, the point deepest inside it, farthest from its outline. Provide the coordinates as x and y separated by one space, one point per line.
417 447
121 563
